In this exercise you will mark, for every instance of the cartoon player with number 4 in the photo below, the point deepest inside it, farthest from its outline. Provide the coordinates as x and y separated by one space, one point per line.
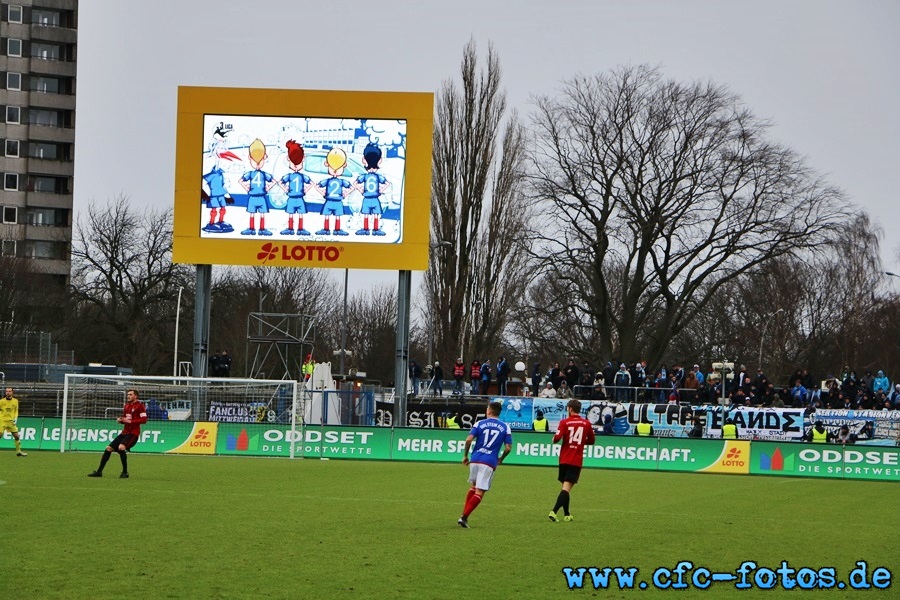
257 183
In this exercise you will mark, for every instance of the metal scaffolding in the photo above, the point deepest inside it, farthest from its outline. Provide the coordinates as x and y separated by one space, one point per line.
277 344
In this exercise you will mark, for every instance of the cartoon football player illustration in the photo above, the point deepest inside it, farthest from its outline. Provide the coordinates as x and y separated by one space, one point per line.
257 183
335 190
214 192
296 184
217 145
371 185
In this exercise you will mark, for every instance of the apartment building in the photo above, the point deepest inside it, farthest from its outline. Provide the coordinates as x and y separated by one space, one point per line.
38 52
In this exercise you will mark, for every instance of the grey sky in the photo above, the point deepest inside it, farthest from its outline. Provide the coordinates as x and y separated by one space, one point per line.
824 72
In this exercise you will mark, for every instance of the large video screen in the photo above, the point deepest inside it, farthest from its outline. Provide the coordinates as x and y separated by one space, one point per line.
303 178
296 188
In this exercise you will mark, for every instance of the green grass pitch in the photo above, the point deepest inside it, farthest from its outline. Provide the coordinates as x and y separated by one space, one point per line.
215 527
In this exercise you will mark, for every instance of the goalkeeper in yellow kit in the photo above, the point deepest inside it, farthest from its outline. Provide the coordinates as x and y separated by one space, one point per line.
9 412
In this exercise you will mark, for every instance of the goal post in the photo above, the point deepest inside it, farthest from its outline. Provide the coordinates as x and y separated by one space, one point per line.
91 404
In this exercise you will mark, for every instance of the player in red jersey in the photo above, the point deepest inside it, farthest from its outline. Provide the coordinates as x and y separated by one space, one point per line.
133 415
576 432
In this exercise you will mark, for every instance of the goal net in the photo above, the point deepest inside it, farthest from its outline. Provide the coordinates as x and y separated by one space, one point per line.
92 403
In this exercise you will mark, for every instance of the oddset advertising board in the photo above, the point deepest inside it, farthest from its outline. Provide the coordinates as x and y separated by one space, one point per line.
303 178
446 445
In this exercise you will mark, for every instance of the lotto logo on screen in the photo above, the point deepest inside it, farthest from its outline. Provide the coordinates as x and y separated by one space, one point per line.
297 253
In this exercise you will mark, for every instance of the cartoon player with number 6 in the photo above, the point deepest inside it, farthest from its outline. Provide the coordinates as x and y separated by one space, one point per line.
371 185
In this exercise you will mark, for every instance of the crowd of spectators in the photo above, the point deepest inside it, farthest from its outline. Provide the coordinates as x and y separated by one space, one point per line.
634 382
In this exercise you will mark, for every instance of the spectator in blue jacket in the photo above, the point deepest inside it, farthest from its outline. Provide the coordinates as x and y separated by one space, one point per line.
881 383
799 394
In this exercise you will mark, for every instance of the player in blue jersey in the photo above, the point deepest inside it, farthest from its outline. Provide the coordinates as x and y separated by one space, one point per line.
257 183
335 190
217 197
371 185
490 436
296 184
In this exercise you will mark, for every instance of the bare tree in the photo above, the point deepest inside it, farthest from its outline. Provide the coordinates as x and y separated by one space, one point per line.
478 207
239 291
658 194
125 286
15 293
372 332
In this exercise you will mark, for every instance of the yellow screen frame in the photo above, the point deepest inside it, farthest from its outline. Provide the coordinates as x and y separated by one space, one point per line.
411 253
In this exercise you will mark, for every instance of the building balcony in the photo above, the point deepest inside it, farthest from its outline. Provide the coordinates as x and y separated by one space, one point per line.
40 166
48 100
52 266
48 33
60 5
47 66
48 233
48 200
48 133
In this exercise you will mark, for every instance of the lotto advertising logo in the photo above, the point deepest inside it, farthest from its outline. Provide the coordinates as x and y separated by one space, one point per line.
308 253
735 458
202 440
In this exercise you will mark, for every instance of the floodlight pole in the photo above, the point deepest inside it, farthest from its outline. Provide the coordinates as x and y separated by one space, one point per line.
401 365
202 303
177 319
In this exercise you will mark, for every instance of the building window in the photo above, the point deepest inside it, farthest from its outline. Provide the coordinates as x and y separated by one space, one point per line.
48 18
38 116
47 85
46 217
13 47
12 148
9 247
41 249
14 81
43 150
13 114
11 182
15 13
45 51
10 214
47 185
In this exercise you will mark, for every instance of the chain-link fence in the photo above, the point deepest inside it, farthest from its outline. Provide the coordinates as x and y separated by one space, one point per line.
31 356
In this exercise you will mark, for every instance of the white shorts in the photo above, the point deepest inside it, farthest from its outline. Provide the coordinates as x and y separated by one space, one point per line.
480 476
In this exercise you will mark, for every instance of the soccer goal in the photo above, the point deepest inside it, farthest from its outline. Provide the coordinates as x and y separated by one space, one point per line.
91 404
